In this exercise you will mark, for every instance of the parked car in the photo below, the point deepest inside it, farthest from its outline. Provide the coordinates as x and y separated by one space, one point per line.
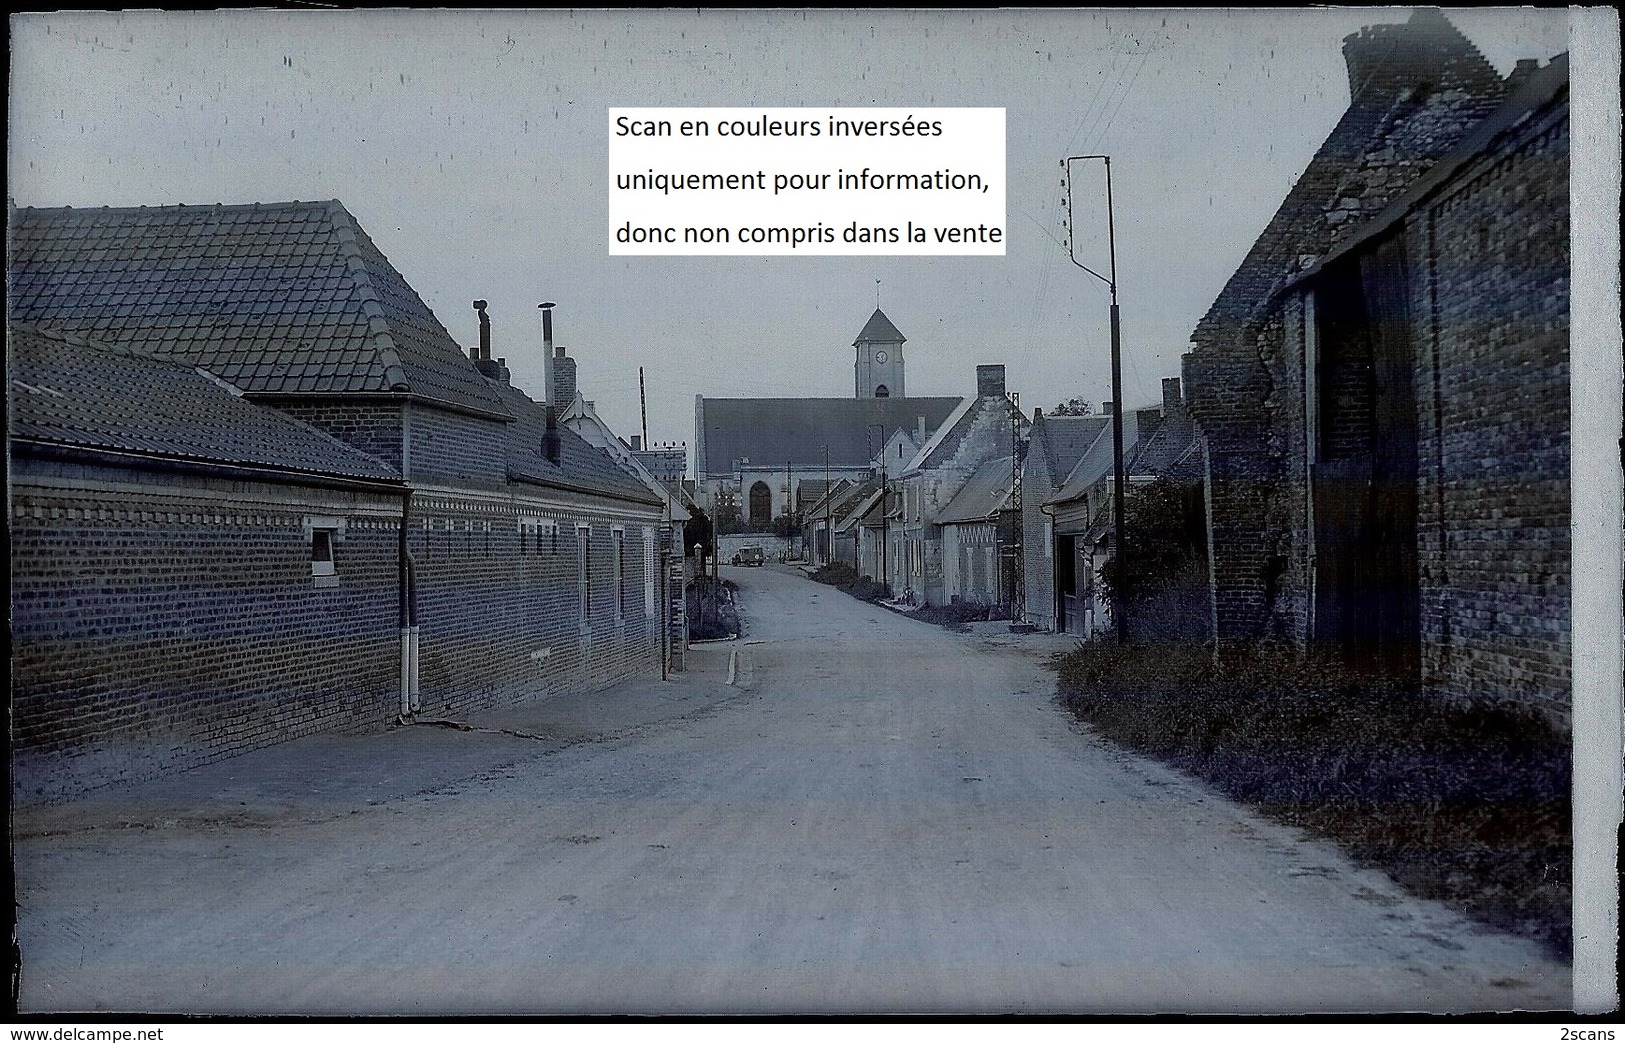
751 554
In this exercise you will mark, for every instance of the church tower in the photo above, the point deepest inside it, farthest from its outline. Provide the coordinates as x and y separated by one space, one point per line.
879 366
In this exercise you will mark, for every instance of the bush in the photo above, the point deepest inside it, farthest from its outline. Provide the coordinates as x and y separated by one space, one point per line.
954 615
1468 804
846 578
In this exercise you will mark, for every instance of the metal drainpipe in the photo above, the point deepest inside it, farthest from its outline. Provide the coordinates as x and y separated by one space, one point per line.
403 569
412 631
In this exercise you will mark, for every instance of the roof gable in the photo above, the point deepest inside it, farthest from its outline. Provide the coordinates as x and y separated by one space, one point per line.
1415 89
1062 441
277 299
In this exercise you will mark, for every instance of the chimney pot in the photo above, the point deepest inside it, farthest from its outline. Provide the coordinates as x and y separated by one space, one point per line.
548 394
485 332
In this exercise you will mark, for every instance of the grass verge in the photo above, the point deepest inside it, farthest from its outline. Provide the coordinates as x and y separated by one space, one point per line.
1466 804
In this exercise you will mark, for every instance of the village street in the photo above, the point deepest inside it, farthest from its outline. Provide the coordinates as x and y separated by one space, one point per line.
879 816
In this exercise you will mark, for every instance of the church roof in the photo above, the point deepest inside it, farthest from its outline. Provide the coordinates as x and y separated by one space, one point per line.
880 329
771 432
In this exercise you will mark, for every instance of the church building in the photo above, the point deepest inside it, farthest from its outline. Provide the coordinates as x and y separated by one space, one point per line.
773 456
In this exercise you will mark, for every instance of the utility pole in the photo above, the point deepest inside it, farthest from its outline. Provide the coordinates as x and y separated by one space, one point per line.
885 523
1018 575
827 543
1119 536
643 408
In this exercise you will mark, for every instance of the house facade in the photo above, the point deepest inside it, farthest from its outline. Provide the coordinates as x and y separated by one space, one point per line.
982 429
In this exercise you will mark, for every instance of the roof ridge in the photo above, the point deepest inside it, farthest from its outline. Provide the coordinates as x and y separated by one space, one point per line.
345 229
285 204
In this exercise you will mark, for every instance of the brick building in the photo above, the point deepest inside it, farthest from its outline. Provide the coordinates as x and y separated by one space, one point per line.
191 573
1382 386
520 559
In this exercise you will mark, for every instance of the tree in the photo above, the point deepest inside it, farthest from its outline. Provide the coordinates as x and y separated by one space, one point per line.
725 509
697 529
1073 407
1166 551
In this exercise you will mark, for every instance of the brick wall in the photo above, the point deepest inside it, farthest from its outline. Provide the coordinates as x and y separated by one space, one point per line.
1493 396
499 613
163 623
453 448
373 429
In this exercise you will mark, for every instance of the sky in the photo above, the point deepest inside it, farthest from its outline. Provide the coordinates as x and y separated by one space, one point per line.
472 147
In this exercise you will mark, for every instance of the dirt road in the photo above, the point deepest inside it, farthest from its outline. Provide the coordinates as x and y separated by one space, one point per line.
882 816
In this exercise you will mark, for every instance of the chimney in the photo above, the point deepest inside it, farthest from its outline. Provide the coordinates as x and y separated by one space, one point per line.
550 440
482 357
547 352
1106 408
1526 68
1172 402
1427 52
485 332
920 431
1038 414
564 378
637 443
990 381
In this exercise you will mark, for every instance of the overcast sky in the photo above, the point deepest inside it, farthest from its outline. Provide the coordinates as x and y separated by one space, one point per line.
472 147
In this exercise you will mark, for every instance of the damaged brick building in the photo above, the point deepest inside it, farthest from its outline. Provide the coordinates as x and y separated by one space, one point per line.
1382 387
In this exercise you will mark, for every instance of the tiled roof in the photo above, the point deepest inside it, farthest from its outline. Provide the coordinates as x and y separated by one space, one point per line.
984 494
1063 440
280 298
774 431
581 466
1096 463
68 392
1157 456
879 329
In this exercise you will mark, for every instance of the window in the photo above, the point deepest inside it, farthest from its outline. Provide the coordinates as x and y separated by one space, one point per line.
538 536
618 541
651 576
321 552
584 571
323 534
